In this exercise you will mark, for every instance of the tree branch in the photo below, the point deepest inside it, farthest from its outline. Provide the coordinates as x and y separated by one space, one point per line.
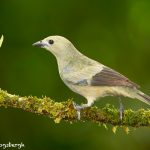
65 111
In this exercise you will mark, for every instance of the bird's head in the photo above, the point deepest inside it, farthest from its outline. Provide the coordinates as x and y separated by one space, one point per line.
57 45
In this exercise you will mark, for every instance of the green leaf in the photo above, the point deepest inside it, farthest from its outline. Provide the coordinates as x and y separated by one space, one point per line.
105 126
114 129
1 40
126 129
57 120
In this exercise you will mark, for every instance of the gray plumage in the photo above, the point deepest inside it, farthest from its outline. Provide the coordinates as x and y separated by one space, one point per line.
87 77
109 77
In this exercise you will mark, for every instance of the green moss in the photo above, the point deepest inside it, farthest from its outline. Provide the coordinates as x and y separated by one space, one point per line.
65 111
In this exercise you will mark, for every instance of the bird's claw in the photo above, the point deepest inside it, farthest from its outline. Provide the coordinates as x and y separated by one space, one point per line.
76 106
121 111
78 109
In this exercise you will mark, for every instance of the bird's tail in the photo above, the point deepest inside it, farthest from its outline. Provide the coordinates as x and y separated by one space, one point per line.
133 93
143 97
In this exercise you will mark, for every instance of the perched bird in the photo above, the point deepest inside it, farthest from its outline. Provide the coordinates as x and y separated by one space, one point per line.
88 77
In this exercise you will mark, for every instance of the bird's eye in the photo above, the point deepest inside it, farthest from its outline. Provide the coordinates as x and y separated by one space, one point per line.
51 42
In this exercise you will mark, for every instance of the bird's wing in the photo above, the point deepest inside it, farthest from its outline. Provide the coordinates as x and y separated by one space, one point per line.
109 77
99 76
80 76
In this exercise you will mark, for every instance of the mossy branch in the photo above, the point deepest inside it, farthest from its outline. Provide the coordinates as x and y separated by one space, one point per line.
65 111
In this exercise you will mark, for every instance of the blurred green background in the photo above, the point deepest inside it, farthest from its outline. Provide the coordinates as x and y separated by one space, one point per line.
114 32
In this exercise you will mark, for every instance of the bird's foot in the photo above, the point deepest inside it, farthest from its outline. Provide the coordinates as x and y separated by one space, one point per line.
121 110
78 109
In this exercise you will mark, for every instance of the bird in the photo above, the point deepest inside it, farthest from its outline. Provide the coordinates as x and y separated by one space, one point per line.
87 77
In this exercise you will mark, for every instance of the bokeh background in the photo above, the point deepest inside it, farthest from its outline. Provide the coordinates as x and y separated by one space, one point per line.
114 32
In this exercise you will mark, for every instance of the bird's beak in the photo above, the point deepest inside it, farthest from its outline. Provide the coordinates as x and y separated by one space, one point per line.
40 44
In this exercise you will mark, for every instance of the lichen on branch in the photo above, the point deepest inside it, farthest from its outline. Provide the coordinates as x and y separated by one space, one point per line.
65 111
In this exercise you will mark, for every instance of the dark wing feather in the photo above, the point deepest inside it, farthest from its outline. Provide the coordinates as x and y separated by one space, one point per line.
109 77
